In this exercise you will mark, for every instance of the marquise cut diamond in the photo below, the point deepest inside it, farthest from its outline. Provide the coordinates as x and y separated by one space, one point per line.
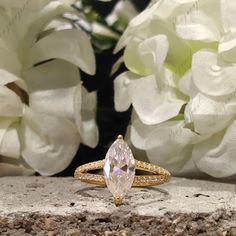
119 168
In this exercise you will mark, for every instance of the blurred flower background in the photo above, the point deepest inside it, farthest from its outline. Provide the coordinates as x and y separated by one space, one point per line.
54 57
74 74
43 111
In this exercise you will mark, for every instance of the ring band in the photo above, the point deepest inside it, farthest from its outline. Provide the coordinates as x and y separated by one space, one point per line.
160 174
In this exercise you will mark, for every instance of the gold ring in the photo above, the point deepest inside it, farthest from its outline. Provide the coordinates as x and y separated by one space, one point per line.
119 168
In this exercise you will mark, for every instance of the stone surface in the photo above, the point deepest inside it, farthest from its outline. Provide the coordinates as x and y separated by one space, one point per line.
119 168
64 206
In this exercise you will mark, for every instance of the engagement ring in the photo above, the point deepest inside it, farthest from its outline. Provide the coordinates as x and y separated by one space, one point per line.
119 168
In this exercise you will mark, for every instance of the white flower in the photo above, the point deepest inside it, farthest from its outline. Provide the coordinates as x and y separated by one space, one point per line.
24 4
45 111
181 57
123 10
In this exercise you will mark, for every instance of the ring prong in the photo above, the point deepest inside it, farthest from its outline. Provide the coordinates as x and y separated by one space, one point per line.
118 201
120 136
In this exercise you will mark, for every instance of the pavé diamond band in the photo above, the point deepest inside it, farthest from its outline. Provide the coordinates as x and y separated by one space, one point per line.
119 168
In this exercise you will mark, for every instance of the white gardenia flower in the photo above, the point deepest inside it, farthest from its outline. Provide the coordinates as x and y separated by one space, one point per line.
45 111
181 60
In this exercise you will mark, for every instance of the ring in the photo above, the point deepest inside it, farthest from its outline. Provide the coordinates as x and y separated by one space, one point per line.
119 168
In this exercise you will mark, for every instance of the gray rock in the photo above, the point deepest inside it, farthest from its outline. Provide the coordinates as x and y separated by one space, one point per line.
64 206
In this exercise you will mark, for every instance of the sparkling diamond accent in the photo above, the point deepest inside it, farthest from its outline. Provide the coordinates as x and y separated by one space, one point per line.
119 168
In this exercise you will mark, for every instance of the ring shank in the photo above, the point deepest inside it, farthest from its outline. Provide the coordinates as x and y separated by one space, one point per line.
160 175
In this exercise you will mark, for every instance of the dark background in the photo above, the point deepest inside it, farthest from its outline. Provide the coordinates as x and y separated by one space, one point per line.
110 122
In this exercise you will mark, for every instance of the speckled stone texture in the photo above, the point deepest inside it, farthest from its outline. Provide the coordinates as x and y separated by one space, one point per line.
64 206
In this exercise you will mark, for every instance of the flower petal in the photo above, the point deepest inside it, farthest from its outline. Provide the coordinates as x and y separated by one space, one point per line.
186 85
9 61
123 90
154 51
49 143
11 105
153 104
86 121
8 38
124 10
216 156
140 22
7 77
52 86
139 132
72 45
228 15
116 66
178 58
7 169
32 23
227 47
23 4
10 145
197 25
171 146
207 115
220 79
4 125
133 59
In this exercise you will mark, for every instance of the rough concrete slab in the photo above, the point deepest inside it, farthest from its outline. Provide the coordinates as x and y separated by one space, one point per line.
64 206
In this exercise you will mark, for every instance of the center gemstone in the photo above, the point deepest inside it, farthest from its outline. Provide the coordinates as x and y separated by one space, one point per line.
119 168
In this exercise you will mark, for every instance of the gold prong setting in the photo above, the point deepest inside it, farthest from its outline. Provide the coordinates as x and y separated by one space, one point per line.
120 136
118 200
